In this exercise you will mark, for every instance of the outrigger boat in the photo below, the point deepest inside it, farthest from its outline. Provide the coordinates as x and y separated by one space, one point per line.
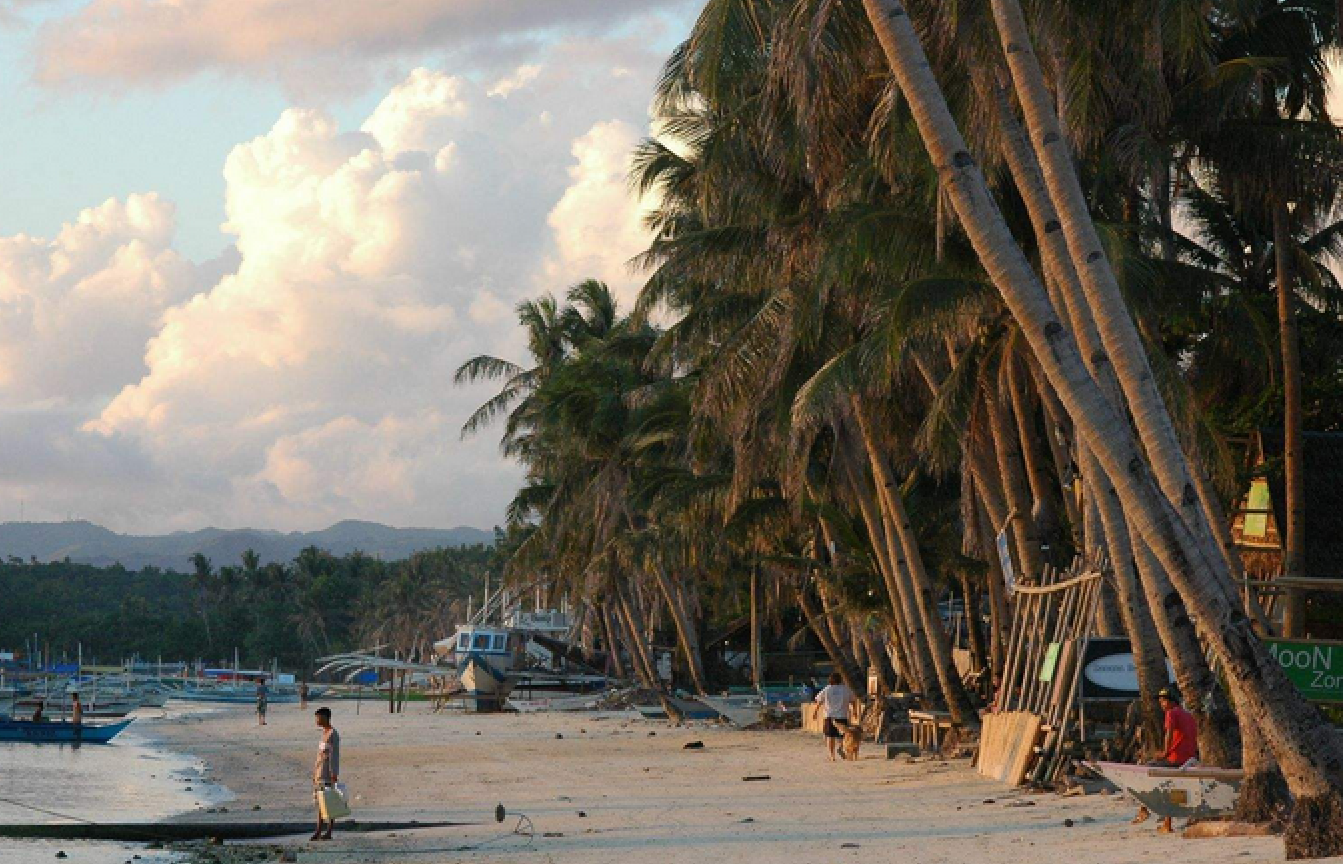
59 733
485 658
482 663
1191 793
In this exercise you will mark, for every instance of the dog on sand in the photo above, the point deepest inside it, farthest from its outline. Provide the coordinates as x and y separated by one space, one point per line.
853 739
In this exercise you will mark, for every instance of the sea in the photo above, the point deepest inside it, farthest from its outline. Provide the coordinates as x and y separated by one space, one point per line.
132 779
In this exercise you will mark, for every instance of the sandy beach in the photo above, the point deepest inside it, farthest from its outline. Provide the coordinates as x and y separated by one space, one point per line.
606 788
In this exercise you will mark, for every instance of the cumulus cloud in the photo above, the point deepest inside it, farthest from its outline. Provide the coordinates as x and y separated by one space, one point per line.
153 42
312 381
75 310
597 223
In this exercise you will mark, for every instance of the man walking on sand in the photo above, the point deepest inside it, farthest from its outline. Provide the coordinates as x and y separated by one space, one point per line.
836 700
1181 745
326 771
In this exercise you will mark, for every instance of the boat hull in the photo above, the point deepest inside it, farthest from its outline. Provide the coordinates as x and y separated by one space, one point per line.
233 698
1175 792
59 733
484 688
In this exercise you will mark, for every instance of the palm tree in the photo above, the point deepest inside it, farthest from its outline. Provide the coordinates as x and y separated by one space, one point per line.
1291 727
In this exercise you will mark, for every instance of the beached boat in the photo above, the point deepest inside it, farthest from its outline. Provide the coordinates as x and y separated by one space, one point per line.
741 710
691 709
1195 792
59 733
484 657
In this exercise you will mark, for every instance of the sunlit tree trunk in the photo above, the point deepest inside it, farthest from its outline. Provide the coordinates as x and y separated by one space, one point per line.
686 633
816 620
1117 330
1007 448
888 494
1217 734
908 625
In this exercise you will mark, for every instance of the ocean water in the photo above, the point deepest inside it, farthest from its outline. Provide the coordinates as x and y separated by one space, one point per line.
129 780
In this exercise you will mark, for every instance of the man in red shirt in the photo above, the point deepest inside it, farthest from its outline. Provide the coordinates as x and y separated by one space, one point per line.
1181 745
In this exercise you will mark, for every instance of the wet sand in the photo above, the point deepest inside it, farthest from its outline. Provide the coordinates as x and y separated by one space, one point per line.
606 788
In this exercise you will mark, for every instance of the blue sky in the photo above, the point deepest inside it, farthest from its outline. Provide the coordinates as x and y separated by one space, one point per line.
243 245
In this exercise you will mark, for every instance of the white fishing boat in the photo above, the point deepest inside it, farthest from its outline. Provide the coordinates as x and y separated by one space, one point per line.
485 658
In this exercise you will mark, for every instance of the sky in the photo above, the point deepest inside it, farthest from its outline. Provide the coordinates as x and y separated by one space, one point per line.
244 244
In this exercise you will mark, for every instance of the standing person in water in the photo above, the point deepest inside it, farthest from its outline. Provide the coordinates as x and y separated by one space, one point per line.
836 700
1181 745
326 771
303 695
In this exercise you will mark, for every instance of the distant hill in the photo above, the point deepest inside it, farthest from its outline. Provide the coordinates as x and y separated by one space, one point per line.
86 543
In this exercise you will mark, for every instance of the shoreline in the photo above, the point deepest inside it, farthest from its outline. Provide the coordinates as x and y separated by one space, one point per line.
604 788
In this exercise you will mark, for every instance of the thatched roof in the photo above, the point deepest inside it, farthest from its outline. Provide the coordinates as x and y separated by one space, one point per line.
1324 496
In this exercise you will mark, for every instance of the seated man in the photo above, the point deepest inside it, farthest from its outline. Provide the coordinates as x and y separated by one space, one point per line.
1181 745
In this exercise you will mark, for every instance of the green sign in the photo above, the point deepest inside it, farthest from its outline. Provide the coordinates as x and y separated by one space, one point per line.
1316 668
1050 663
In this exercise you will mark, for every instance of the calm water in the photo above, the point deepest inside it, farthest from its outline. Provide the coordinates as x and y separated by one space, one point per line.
129 780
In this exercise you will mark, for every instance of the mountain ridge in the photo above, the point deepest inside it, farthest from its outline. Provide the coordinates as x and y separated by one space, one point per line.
84 542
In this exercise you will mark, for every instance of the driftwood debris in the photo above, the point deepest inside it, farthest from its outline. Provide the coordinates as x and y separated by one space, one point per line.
1209 830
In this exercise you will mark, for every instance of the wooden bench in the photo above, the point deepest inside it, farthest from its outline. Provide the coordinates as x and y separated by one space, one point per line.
933 730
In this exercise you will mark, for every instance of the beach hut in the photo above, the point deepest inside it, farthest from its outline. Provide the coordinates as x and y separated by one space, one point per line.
1258 525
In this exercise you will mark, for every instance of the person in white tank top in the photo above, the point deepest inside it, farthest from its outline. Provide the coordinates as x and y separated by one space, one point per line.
837 699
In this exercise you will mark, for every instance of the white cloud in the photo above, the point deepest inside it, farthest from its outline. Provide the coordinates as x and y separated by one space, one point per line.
311 380
598 222
75 310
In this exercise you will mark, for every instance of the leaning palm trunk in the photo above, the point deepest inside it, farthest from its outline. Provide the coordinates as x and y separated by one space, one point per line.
686 634
879 658
888 494
1294 544
1044 515
648 669
1310 757
1218 726
1117 330
816 620
908 627
1148 657
1007 447
1217 732
980 542
608 638
1263 792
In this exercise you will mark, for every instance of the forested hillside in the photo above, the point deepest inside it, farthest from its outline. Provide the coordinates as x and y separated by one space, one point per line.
314 605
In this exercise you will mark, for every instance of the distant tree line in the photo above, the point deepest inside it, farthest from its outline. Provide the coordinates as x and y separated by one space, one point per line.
317 604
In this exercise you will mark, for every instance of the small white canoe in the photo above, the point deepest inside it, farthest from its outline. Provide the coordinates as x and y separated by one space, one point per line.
1198 792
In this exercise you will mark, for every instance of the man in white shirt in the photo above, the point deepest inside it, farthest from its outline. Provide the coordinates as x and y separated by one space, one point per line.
837 699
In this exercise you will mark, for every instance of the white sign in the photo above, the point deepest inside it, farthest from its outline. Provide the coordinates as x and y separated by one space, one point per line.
1114 672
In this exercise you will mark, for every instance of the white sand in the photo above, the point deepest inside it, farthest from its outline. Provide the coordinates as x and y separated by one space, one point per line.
647 799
